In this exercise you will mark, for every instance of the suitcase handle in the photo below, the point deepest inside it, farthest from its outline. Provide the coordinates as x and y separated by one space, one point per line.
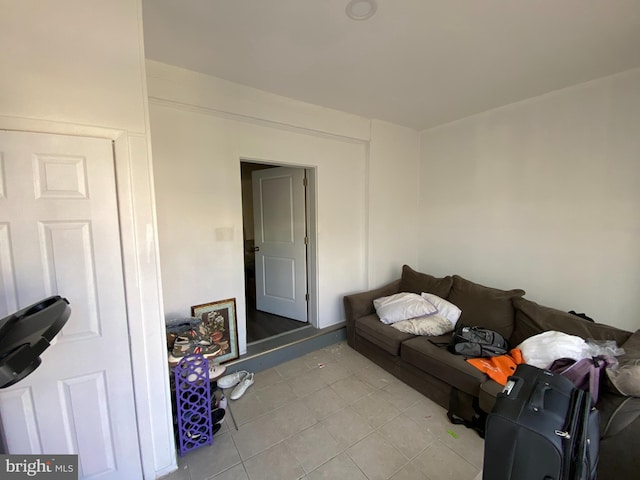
536 402
512 388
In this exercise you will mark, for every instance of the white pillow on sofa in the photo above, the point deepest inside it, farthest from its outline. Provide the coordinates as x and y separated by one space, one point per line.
402 306
447 309
432 325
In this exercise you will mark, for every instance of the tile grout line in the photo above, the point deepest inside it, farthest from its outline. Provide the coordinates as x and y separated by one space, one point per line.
338 359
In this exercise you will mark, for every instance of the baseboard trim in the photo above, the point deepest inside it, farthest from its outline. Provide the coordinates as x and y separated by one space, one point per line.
282 348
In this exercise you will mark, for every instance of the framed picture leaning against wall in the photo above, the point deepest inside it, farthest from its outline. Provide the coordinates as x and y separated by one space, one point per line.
220 320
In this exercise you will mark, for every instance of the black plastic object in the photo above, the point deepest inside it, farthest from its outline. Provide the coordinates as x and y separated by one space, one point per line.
26 334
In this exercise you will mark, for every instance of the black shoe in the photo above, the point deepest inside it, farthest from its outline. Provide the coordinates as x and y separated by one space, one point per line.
217 415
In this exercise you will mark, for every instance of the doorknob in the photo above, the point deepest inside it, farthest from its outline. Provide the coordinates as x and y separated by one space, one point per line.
256 249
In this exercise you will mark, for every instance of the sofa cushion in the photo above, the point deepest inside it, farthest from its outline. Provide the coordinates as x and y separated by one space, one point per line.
383 336
532 319
439 362
617 413
625 379
488 393
416 282
482 306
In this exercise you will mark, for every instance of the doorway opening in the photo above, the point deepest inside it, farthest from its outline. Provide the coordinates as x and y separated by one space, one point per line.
278 208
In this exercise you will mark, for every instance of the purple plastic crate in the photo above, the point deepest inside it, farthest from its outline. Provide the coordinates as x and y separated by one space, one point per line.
193 401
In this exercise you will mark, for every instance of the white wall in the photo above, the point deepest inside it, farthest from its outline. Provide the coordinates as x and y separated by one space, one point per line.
201 129
393 194
197 156
77 67
542 195
71 66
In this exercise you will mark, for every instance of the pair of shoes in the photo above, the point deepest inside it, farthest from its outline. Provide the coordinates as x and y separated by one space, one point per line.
242 387
193 342
195 435
232 379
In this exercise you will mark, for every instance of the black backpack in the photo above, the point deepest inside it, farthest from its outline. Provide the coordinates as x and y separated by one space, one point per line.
477 342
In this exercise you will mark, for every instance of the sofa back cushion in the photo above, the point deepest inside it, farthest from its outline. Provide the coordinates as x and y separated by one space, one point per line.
482 306
625 379
416 282
532 319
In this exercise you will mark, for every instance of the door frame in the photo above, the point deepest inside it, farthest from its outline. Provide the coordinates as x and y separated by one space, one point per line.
311 221
76 206
142 283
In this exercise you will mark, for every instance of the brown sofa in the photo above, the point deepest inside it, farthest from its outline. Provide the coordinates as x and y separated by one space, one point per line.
432 370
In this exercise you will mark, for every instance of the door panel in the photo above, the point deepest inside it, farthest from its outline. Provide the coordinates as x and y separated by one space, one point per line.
8 297
280 229
59 235
67 256
279 275
16 403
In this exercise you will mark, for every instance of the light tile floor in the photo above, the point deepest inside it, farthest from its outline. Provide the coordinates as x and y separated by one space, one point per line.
333 414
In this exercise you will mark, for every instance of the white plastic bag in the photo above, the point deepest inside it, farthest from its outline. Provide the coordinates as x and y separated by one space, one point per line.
541 350
608 348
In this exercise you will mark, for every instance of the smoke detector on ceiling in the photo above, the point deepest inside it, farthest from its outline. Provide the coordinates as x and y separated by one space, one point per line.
361 9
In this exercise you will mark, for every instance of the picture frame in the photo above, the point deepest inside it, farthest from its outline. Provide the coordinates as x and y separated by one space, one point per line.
220 319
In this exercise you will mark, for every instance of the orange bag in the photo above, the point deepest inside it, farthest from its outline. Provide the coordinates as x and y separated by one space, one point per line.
499 368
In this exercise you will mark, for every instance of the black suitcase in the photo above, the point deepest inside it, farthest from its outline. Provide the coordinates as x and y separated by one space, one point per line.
541 428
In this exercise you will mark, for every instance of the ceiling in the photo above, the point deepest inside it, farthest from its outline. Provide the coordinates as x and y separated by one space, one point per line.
417 63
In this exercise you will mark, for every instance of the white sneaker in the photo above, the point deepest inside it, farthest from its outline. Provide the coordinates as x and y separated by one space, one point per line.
232 379
222 404
242 387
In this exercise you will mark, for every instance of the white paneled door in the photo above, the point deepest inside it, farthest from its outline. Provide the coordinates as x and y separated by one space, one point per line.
59 235
280 233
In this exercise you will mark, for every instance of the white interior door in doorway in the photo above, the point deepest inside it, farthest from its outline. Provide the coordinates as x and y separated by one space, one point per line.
59 234
280 241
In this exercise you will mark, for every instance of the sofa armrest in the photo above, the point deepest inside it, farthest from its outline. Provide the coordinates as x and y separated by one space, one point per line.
361 304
